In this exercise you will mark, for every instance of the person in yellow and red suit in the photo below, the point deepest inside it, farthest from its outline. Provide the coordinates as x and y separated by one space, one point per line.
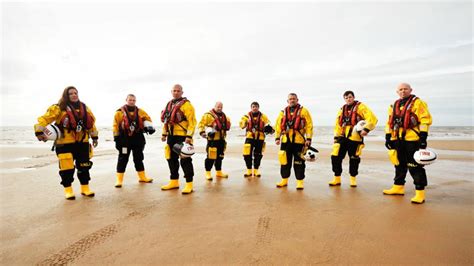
406 132
216 144
347 139
294 131
179 124
254 124
128 129
77 125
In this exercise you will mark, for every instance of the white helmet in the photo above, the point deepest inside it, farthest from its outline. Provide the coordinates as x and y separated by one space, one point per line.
311 154
210 131
184 150
148 127
425 156
147 123
360 125
52 132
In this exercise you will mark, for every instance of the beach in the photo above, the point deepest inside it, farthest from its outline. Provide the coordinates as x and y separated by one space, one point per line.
236 220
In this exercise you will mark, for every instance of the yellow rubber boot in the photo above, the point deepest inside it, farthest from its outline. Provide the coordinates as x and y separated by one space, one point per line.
173 184
299 184
86 191
143 178
283 182
208 175
395 190
188 188
221 174
119 182
419 197
256 173
353 181
248 173
69 193
336 181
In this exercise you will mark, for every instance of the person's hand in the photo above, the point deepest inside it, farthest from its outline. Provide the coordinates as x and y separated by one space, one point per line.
277 142
163 138
203 135
364 133
95 142
188 140
149 130
307 143
337 139
388 142
117 142
42 137
423 142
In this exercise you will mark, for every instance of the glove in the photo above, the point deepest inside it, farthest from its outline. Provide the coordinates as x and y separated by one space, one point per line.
268 130
117 142
423 137
149 130
389 142
337 139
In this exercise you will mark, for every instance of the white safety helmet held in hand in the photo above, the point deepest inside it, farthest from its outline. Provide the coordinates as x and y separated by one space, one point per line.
360 126
184 150
148 124
311 154
210 131
425 156
52 132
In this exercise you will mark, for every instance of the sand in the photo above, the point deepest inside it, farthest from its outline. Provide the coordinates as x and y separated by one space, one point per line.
237 220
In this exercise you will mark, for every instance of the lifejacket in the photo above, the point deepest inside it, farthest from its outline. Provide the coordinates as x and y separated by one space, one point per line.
258 125
220 122
129 124
405 118
172 113
349 116
76 121
295 121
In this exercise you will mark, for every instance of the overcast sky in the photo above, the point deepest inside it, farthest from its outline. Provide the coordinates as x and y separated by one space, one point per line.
237 53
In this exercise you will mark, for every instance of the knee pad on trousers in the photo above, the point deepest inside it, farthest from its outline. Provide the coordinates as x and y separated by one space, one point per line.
335 149
167 152
212 153
282 157
66 161
247 148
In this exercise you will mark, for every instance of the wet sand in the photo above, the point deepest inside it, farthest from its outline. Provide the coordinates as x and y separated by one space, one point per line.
237 220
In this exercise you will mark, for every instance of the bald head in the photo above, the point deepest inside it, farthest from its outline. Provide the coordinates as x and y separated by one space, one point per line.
218 107
404 90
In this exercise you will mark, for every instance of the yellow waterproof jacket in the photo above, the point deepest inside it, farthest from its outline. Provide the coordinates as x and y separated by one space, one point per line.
299 135
364 112
259 134
119 115
54 114
423 116
185 127
207 120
